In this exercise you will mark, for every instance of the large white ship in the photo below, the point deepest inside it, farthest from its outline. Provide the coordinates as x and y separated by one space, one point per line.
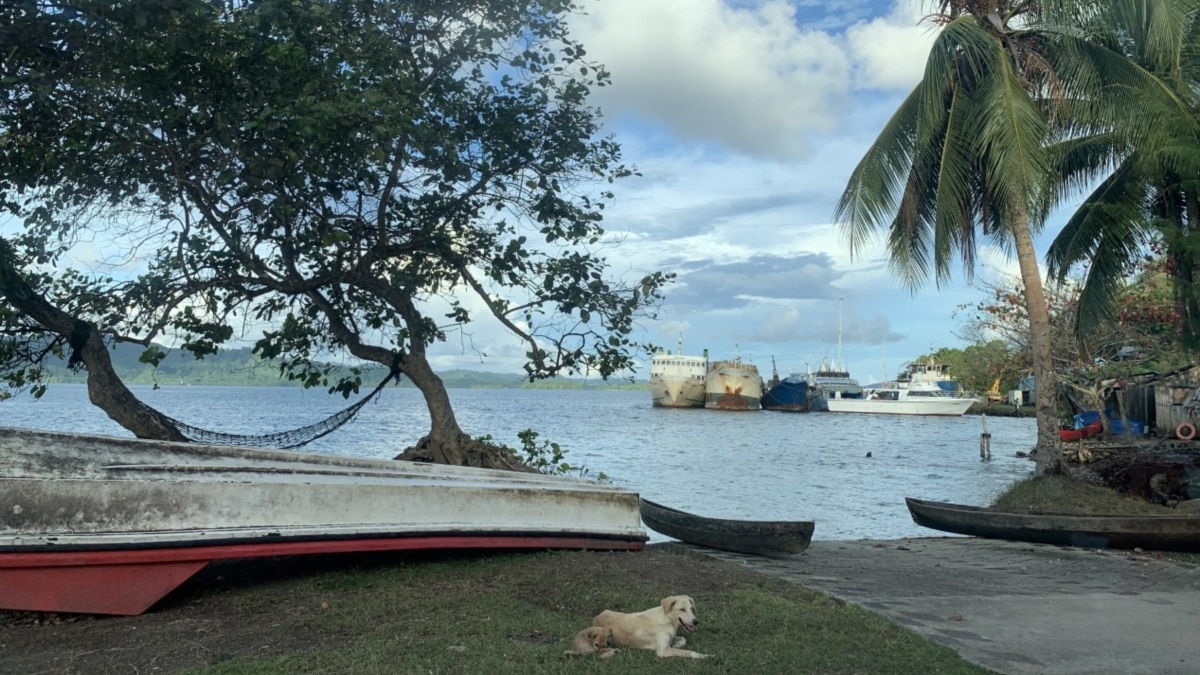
733 385
677 381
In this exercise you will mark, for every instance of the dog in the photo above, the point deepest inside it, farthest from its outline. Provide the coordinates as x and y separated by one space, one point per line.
592 640
655 628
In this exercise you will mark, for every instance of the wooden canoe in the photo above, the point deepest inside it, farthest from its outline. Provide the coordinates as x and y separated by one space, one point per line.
757 537
106 525
1152 533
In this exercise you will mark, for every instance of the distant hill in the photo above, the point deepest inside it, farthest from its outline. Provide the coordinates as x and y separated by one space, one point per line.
240 367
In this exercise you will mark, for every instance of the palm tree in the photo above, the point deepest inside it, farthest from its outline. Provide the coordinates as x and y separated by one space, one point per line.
1147 164
966 156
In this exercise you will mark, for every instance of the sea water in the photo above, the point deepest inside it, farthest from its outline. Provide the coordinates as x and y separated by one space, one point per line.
849 473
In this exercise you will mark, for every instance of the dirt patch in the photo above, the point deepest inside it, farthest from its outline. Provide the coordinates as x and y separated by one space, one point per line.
275 606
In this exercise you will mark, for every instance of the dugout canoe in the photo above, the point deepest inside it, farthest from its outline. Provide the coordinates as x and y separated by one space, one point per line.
1151 533
757 537
104 525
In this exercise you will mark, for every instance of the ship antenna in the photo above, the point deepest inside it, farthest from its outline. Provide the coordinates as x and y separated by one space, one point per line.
680 352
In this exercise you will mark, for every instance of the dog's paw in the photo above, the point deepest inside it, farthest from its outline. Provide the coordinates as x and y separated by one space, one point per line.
605 653
678 641
698 655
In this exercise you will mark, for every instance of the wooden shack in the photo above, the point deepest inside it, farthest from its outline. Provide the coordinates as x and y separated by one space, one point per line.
1176 400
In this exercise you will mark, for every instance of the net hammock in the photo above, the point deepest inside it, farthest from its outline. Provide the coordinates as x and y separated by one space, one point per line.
282 440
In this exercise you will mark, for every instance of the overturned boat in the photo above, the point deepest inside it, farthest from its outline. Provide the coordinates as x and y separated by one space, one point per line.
107 525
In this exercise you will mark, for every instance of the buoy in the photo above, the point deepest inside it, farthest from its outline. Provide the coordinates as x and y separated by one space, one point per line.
1185 431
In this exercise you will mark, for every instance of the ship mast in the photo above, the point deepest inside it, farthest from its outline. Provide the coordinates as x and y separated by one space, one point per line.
840 365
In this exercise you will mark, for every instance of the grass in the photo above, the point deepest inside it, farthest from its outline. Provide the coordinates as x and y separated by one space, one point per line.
1061 494
516 613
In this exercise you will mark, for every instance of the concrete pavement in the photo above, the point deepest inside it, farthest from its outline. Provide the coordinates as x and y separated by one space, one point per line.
1014 607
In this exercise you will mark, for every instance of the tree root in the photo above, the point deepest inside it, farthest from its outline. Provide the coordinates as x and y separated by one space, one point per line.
464 451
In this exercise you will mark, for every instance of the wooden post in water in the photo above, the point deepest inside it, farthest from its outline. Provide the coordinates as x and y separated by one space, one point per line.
985 442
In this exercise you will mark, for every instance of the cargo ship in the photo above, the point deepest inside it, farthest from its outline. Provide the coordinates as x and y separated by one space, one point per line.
676 380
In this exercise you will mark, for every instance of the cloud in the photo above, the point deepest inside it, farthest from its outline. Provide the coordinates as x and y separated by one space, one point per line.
889 52
761 277
746 77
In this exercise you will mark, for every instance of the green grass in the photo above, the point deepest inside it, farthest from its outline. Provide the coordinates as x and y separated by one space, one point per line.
1061 494
516 614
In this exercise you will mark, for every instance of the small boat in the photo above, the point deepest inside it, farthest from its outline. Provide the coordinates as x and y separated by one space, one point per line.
1087 431
105 525
1152 533
757 537
677 380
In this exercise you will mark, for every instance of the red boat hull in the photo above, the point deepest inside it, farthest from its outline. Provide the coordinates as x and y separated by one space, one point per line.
129 581
1094 429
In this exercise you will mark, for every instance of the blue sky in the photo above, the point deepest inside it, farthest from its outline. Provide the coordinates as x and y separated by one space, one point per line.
745 119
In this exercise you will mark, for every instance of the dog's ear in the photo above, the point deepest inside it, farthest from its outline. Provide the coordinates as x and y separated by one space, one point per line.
668 603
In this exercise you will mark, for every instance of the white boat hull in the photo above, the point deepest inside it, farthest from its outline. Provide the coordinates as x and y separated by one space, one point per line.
676 392
107 507
950 407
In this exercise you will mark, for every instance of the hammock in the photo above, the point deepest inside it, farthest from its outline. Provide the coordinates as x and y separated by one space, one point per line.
281 440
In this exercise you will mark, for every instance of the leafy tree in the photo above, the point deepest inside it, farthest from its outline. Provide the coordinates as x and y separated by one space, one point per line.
1140 338
345 172
1143 167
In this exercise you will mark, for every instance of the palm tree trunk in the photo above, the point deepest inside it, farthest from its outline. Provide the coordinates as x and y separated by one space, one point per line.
1048 452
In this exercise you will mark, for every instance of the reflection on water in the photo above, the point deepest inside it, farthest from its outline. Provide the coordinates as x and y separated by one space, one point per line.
763 465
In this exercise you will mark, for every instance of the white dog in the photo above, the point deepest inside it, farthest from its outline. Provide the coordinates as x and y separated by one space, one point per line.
654 628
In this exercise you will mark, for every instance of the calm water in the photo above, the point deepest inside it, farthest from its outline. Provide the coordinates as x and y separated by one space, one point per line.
761 465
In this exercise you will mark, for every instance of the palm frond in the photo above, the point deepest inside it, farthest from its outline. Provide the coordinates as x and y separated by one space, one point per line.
872 193
1115 207
1011 139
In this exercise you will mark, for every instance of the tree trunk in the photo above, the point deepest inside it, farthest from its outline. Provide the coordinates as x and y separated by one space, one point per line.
105 388
1048 452
1189 268
447 443
107 392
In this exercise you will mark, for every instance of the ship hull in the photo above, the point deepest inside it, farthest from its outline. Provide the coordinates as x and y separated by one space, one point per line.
676 392
733 388
788 395
949 407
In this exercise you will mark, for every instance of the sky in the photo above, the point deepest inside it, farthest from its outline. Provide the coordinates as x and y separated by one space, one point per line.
745 119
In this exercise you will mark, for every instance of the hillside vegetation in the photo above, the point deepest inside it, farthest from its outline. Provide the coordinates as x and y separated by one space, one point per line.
240 367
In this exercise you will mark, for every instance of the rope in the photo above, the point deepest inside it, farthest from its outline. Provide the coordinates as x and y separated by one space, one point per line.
283 440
